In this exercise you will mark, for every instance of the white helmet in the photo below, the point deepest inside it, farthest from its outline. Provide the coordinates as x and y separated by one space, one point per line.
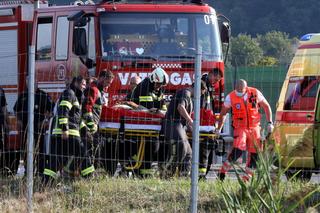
158 75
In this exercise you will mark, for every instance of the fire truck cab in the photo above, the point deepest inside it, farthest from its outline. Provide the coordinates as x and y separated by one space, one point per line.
129 38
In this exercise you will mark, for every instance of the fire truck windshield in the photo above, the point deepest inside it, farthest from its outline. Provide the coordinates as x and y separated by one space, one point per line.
162 36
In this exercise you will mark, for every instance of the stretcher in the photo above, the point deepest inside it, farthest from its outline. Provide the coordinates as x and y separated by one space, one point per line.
124 125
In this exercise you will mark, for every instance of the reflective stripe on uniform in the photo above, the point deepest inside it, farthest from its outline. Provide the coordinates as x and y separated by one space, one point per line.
157 98
202 170
87 171
147 171
145 99
73 132
76 103
88 114
50 173
66 103
82 124
97 106
90 124
63 120
57 131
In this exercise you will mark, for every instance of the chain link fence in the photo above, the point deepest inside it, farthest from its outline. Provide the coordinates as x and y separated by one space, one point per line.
136 166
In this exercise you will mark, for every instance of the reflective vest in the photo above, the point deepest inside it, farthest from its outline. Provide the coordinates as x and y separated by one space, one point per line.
245 113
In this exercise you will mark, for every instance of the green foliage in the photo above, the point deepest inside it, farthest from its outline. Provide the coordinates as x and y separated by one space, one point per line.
245 51
105 194
268 61
265 191
277 45
258 17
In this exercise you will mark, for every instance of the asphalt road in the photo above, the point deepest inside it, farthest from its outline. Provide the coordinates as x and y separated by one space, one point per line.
212 175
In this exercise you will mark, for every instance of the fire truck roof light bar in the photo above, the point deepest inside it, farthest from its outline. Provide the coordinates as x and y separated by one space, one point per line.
6 12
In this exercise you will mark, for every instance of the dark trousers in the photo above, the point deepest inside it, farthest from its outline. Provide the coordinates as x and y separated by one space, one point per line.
203 155
39 150
62 150
178 148
92 145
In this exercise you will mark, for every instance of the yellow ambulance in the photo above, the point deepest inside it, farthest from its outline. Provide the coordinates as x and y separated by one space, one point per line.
297 126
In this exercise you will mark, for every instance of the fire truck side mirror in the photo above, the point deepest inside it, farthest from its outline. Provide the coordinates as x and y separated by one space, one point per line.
225 28
225 32
80 41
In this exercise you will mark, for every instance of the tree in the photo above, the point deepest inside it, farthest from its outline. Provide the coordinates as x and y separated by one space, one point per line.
277 45
259 17
245 51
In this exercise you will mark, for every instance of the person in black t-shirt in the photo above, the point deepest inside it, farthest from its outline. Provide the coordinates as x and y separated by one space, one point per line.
177 120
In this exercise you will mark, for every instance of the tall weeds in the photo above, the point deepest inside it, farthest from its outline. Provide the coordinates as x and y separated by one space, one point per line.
266 191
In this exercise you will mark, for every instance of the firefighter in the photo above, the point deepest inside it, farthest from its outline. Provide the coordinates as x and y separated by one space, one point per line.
91 111
213 96
177 120
43 108
3 127
245 103
65 140
210 100
149 93
3 118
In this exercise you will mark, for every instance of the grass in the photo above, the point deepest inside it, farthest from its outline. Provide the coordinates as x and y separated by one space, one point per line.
105 194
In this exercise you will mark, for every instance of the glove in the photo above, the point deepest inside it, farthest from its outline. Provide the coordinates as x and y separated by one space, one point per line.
270 127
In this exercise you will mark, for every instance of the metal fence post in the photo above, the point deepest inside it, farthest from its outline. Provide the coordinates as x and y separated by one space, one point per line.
31 82
195 134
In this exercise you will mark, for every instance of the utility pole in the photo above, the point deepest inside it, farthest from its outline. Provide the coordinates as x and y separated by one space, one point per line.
30 150
195 134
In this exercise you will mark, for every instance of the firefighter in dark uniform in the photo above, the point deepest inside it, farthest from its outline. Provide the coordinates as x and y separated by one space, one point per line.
3 118
210 100
149 94
43 107
177 120
66 139
214 96
3 129
91 111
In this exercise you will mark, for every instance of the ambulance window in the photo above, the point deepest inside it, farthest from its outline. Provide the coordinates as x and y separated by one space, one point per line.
62 38
301 93
44 44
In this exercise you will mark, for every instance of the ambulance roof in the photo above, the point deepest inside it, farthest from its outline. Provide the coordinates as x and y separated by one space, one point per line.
311 38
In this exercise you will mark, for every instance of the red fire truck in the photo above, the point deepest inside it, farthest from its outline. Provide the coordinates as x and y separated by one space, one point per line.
130 38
